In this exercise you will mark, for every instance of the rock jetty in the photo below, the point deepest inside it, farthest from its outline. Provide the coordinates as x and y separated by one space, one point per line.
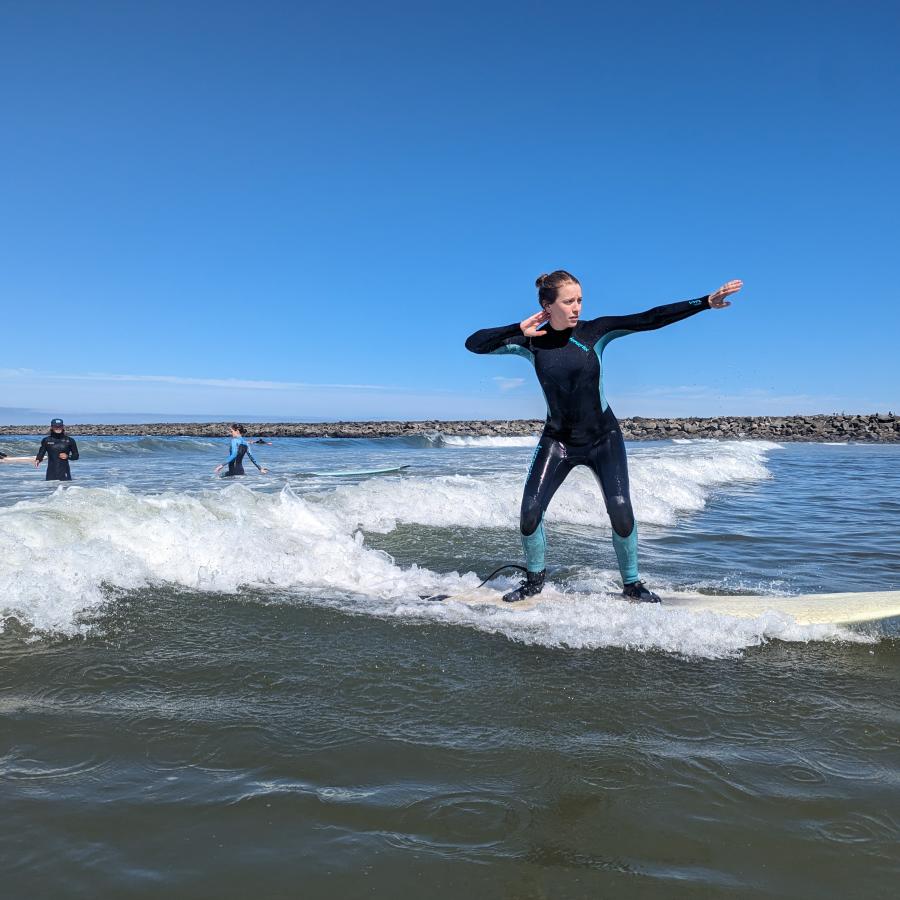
869 428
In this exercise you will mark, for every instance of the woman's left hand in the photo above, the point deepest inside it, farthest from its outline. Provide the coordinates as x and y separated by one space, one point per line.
717 298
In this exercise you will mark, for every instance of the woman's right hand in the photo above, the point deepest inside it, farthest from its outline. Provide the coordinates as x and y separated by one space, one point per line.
531 325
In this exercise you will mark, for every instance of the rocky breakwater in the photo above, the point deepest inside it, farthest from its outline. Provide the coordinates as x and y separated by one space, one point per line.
873 427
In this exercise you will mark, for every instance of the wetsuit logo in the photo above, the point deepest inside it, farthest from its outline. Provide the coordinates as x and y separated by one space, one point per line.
578 344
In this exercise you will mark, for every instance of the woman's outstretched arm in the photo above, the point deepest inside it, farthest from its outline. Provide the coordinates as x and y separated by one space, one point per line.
490 340
608 328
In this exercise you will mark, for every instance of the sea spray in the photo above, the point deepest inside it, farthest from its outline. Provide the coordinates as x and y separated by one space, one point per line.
58 555
665 482
68 553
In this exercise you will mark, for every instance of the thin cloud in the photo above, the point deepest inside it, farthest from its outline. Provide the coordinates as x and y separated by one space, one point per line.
508 384
171 394
230 383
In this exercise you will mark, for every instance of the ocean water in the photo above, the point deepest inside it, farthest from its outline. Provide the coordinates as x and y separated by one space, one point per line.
214 687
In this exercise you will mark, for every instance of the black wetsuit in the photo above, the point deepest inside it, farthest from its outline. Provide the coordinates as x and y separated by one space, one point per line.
581 428
51 447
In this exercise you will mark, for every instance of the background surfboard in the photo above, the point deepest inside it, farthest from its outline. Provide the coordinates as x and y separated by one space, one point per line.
356 472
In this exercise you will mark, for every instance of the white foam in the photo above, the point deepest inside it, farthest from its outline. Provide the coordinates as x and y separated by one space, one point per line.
57 554
61 555
485 441
666 482
593 621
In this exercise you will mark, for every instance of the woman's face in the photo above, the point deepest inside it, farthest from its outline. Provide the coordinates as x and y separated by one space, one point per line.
235 433
566 308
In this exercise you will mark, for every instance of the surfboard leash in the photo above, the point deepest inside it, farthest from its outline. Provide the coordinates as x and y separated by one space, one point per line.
490 577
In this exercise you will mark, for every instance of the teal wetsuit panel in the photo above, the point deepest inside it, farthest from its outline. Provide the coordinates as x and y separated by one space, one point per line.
235 462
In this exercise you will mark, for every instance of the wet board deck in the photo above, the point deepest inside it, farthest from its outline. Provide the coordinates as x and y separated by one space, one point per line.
806 609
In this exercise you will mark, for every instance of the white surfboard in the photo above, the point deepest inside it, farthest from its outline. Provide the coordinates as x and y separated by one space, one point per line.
352 472
806 609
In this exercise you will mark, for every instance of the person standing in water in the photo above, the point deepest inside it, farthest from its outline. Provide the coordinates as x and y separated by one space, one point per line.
59 449
239 449
581 429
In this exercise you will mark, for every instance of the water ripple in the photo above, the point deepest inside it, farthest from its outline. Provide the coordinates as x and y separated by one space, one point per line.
460 821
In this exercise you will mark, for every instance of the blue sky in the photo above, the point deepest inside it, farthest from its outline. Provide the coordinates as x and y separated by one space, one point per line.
300 210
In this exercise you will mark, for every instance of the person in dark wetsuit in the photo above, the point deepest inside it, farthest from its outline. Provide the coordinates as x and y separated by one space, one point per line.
59 449
581 430
239 449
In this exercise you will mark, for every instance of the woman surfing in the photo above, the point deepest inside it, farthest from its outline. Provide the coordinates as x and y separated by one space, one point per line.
580 430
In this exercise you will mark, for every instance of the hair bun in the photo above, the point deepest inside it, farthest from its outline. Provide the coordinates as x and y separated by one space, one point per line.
539 281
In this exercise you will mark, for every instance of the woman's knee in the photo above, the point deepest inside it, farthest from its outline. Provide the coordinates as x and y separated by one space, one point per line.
621 515
530 519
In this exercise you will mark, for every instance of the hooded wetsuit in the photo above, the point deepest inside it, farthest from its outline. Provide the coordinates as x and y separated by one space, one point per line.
235 461
581 428
51 447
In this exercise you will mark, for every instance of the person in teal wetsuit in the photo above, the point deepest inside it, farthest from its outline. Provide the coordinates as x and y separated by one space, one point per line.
581 429
239 449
